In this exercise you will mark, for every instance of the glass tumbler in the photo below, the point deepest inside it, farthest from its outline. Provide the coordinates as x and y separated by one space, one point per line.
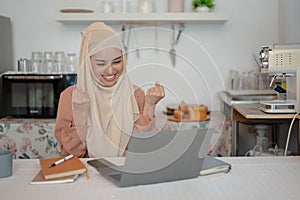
264 80
48 61
36 61
71 62
59 61
121 6
106 6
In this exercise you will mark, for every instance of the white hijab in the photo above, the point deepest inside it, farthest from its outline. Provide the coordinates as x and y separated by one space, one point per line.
113 110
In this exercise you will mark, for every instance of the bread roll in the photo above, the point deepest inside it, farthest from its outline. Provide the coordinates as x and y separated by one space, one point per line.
193 114
178 114
202 112
183 107
197 112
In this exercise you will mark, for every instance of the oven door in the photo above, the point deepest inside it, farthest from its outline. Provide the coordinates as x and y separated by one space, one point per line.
31 96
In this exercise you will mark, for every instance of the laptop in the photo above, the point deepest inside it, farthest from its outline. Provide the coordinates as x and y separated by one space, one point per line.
158 157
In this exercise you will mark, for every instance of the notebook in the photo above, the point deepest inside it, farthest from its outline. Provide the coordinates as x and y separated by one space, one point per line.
213 165
40 179
158 157
70 167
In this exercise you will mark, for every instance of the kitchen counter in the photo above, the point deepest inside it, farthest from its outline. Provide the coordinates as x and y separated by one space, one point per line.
34 138
273 178
244 97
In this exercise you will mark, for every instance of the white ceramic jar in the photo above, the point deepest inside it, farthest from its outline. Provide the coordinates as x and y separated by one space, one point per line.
146 6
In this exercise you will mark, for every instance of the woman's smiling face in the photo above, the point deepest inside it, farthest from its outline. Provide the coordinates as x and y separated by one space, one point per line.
108 65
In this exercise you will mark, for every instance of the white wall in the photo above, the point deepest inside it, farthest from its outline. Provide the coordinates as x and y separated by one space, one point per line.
289 26
230 45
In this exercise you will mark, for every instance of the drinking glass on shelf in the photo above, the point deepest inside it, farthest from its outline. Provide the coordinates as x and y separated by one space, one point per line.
160 6
36 61
243 81
59 61
252 80
264 81
122 6
48 61
106 6
232 81
71 62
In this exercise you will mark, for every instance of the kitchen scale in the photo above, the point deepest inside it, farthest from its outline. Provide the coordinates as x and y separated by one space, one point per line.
278 106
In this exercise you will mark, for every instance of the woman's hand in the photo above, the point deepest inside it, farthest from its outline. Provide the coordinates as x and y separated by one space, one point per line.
154 94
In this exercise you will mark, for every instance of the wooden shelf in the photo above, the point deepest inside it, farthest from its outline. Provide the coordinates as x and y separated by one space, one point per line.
143 18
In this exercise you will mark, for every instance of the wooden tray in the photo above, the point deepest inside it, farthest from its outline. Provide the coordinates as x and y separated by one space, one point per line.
76 10
172 118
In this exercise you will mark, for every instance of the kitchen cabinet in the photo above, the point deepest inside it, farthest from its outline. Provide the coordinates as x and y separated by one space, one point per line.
143 18
29 138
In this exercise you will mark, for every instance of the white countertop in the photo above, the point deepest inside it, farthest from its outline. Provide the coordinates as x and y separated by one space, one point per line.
250 178
230 97
228 100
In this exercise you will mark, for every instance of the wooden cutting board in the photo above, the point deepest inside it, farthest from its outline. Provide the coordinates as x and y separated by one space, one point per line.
76 10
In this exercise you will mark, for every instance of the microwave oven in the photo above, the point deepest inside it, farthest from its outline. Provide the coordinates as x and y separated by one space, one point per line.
32 95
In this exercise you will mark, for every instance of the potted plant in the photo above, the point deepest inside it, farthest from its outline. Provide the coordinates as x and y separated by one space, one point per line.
203 5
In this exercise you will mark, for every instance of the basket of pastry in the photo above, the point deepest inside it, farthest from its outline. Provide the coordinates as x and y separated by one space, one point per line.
189 113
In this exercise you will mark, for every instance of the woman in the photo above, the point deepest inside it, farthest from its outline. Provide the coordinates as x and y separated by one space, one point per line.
96 117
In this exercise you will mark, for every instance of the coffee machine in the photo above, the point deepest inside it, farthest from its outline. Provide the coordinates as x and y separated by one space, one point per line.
282 62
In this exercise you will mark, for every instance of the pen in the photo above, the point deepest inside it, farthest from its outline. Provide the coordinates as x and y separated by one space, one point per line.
62 160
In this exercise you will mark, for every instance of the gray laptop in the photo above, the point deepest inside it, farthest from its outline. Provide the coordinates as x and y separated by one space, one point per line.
158 157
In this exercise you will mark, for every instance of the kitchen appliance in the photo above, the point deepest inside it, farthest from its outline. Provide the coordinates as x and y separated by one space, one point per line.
32 95
278 106
283 61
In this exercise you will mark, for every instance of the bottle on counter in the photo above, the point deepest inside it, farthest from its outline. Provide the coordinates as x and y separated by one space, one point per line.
283 85
23 65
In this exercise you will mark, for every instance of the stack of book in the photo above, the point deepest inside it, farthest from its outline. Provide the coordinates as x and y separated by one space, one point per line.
66 171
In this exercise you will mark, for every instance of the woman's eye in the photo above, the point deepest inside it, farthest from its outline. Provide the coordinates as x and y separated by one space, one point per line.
117 62
101 64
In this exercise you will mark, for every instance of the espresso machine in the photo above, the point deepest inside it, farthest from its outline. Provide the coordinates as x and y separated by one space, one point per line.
282 62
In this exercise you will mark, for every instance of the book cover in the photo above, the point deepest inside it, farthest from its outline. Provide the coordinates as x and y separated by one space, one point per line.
72 166
40 179
213 165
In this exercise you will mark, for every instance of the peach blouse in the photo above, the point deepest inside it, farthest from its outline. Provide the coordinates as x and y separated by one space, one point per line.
66 132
